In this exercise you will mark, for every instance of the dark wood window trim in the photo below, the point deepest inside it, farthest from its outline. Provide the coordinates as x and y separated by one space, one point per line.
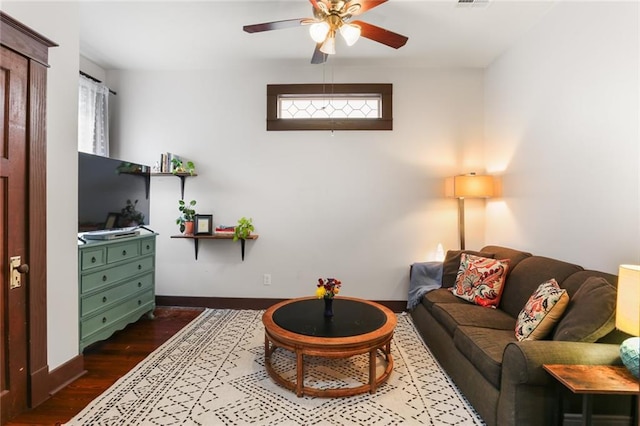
274 91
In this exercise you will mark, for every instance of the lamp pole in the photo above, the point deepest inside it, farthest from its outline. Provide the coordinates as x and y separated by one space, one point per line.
461 221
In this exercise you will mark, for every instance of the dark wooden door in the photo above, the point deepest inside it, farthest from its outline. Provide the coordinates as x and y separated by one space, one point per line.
13 211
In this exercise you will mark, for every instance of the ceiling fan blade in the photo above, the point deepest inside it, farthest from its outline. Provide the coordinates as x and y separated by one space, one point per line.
364 5
318 56
275 25
381 35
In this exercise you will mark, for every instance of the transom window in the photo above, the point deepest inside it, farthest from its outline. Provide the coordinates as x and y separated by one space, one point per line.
329 107
332 106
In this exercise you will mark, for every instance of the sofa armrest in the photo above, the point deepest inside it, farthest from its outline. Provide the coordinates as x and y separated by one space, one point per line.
527 391
522 361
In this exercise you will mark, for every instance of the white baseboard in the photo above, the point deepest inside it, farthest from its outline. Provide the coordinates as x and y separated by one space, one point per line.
571 419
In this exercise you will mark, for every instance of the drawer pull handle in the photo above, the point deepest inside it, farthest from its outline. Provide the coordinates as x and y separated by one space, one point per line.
148 247
104 319
93 259
104 278
139 267
124 252
139 302
139 284
104 299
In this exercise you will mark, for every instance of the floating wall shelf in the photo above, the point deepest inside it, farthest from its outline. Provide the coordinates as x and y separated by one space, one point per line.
197 238
182 177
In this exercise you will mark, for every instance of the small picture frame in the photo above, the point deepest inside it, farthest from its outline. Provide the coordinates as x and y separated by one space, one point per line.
112 220
203 224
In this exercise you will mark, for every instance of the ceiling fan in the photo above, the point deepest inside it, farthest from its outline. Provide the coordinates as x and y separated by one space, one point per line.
330 17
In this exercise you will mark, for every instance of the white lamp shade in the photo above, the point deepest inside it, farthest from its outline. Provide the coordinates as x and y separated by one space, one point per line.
472 186
350 33
628 303
319 31
329 45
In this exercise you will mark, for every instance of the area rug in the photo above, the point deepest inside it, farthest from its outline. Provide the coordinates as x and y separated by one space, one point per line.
212 373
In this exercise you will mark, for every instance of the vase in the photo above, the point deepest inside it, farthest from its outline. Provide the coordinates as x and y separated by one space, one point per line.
328 307
188 228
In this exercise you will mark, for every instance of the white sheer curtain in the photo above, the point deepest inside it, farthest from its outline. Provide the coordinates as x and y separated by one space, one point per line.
93 117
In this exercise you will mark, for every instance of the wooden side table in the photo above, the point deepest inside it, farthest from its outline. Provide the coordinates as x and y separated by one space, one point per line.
590 380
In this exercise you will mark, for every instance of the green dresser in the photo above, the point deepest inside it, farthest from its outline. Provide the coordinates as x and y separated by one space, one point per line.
116 285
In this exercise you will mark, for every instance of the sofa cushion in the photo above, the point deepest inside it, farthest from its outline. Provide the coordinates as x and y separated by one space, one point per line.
514 256
590 314
480 280
440 295
451 265
527 275
574 281
542 311
453 315
484 347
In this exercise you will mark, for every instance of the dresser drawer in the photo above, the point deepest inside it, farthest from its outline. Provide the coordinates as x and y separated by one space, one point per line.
105 277
106 319
92 258
148 246
115 294
123 251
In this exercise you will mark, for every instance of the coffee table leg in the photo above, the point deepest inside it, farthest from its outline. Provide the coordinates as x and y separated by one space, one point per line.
372 370
266 347
299 372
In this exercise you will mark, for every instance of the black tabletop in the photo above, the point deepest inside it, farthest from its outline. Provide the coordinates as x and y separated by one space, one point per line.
350 318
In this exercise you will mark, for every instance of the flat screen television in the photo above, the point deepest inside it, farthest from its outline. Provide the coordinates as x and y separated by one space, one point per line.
111 193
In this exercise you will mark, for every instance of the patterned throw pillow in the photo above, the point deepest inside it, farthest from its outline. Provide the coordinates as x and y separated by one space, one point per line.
543 309
480 280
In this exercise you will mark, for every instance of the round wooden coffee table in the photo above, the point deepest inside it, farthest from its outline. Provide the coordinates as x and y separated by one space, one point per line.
358 327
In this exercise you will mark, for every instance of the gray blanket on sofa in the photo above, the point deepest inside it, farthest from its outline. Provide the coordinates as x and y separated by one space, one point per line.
425 276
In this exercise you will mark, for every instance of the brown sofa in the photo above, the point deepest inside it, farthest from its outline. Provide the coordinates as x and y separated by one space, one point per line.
501 377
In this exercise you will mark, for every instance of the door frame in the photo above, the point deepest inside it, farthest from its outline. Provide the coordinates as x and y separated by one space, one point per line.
35 47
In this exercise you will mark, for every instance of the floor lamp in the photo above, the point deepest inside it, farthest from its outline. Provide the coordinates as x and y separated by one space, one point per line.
470 186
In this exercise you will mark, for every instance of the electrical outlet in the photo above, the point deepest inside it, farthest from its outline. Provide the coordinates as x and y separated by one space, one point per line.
266 279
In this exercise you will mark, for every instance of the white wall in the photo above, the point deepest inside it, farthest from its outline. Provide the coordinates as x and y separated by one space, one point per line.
562 127
62 166
361 206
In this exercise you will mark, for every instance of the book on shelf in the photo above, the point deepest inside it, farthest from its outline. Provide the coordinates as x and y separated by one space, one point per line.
166 162
225 229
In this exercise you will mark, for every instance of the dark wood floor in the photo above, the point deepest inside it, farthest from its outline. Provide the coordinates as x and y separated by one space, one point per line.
106 362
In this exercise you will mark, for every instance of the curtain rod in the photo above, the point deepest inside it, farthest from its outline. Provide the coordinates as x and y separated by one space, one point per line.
96 80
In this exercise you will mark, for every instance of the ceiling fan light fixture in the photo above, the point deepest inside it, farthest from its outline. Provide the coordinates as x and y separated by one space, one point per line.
350 33
318 31
329 45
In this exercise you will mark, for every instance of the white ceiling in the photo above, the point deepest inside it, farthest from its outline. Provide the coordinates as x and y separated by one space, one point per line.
183 34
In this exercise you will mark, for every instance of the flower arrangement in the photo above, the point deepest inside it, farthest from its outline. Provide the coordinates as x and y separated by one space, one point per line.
328 288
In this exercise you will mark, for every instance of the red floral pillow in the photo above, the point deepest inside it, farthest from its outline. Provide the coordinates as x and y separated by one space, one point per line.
480 280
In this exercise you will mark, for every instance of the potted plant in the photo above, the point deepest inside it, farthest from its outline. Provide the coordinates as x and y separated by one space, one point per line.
129 216
179 167
187 215
243 229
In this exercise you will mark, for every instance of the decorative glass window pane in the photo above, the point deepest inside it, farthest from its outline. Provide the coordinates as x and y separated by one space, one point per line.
329 107
343 106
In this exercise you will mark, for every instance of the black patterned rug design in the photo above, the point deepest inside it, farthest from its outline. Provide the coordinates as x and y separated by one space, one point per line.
212 373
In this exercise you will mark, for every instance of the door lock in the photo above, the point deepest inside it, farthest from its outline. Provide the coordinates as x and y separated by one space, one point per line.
17 269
